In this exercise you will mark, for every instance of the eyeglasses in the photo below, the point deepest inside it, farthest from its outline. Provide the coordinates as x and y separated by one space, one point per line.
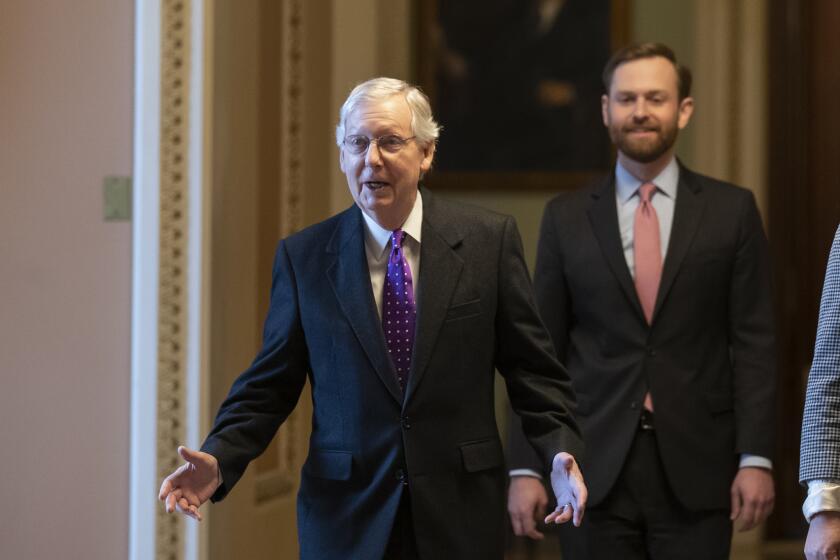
358 144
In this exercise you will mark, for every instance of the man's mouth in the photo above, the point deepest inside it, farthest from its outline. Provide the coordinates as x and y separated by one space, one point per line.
641 130
374 185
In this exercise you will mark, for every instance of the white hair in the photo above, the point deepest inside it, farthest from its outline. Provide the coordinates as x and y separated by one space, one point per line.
423 125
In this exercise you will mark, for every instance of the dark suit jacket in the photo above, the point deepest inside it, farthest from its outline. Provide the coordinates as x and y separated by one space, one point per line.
707 357
369 443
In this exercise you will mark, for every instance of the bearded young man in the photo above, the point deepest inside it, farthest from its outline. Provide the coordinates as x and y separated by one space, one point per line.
654 283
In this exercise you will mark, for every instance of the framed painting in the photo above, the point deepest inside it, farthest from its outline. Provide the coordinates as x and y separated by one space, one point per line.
516 85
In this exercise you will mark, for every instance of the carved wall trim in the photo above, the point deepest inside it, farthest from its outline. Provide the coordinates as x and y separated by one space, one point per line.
281 481
172 316
292 104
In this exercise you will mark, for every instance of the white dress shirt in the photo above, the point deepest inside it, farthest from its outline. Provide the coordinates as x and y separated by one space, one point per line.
378 248
823 495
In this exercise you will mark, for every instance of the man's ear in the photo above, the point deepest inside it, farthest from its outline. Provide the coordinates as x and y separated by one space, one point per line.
685 111
428 157
341 159
605 110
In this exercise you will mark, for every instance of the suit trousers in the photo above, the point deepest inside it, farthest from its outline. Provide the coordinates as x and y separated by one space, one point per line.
402 544
642 519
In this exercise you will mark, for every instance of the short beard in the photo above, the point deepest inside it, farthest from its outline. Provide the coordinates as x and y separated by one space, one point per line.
644 152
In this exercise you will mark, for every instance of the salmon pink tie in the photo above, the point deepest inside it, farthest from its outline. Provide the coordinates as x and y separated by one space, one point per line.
647 253
398 309
647 256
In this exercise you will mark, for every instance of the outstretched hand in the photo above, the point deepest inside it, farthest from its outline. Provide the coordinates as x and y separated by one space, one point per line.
569 489
191 484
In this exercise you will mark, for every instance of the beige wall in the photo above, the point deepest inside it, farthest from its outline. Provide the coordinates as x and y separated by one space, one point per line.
65 122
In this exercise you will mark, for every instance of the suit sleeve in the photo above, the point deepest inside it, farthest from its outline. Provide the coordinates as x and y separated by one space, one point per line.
752 337
267 392
820 445
538 385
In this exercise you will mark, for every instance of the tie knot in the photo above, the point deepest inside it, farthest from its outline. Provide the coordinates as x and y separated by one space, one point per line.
646 191
397 238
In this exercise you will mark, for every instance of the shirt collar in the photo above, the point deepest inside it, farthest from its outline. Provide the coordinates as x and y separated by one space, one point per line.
377 237
626 184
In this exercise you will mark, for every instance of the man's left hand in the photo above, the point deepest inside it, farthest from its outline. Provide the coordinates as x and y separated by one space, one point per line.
569 489
752 496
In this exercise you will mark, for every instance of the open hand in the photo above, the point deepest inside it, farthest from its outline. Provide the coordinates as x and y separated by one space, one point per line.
191 484
568 486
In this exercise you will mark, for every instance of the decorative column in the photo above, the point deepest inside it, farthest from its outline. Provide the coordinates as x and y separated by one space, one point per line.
172 290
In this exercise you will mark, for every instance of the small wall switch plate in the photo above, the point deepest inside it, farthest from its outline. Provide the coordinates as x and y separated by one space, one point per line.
117 198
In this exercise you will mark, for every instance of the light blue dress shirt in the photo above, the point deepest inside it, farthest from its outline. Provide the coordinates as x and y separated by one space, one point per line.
663 201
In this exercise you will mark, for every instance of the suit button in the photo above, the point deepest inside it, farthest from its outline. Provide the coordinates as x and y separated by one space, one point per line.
406 423
651 352
634 405
400 476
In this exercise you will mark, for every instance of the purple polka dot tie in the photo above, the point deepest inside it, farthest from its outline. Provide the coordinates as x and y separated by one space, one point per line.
398 309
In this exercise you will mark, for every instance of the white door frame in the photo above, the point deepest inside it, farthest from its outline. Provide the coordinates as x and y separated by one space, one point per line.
157 421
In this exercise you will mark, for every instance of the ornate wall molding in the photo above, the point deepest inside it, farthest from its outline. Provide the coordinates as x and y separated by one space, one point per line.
291 188
172 316
281 481
292 111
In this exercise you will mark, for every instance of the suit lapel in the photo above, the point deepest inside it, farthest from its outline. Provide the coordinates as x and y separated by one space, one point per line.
440 270
350 280
603 215
687 213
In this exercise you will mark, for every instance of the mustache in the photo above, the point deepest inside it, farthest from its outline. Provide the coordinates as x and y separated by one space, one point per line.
640 129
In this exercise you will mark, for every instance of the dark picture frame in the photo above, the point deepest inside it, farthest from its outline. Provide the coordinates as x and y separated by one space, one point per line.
516 85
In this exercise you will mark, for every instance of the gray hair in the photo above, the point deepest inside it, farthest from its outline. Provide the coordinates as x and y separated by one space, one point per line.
423 124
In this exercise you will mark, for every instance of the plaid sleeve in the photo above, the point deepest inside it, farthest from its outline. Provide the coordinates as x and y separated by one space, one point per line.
820 444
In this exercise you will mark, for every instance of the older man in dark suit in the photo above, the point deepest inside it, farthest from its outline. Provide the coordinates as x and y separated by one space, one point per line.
654 283
398 310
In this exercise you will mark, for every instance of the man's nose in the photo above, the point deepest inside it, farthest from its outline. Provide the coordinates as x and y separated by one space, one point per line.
373 156
640 110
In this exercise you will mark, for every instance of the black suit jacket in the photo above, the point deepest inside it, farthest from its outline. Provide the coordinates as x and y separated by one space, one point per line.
707 357
370 443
